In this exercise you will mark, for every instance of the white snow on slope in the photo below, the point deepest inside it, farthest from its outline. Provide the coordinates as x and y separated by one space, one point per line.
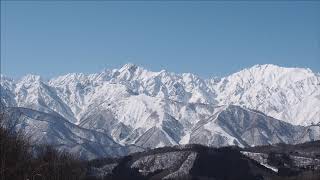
135 106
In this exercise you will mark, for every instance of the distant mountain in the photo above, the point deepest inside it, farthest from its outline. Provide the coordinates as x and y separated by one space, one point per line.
133 109
288 94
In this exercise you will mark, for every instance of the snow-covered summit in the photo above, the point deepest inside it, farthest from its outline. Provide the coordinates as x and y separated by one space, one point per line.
289 94
135 106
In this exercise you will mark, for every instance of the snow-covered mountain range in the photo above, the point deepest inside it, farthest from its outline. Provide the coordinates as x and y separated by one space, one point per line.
131 108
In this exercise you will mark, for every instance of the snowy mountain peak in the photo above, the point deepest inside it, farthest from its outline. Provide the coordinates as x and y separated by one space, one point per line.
128 67
136 107
69 78
273 71
30 78
266 66
283 93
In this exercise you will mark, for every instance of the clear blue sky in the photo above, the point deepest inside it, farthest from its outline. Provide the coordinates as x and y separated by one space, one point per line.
206 38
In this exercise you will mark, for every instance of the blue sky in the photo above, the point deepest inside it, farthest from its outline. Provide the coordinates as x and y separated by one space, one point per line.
205 38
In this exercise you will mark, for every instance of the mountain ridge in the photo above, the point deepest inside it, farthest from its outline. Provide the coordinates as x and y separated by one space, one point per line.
134 106
186 87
